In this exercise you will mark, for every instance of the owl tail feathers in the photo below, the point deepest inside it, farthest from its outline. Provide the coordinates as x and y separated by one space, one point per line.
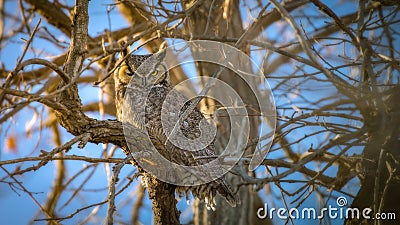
225 191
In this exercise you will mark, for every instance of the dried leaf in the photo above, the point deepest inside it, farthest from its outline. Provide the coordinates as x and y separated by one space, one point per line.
11 144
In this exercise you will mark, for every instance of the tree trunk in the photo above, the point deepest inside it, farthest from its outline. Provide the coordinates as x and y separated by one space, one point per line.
163 200
380 166
222 19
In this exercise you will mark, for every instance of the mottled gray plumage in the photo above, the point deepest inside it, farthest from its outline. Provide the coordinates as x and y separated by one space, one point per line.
157 71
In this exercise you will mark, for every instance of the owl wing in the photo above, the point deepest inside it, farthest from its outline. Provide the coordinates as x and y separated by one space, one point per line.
190 128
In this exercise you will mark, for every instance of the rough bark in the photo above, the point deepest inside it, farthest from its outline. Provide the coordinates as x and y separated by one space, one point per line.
380 165
222 19
163 202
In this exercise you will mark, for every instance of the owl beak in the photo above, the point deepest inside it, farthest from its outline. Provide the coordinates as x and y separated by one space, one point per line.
144 81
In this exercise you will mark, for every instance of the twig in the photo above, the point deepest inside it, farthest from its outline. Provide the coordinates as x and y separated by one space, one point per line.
298 166
46 63
137 205
123 59
14 72
337 81
26 191
87 207
47 156
111 190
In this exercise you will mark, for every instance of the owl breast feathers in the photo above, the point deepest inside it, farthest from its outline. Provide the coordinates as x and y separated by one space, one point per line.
151 121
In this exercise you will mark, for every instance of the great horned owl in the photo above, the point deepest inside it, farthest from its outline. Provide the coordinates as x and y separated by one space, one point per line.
155 69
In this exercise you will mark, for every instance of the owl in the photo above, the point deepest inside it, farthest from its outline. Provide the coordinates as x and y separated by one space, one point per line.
154 69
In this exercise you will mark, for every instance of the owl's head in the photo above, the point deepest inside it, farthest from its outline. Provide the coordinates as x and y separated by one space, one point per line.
142 70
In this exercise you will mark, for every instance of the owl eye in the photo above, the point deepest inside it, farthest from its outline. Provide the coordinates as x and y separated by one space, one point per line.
154 73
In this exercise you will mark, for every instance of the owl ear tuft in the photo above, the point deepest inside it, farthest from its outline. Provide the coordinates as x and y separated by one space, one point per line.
161 55
162 51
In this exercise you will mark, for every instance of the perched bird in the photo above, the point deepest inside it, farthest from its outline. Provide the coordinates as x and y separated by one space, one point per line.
154 69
